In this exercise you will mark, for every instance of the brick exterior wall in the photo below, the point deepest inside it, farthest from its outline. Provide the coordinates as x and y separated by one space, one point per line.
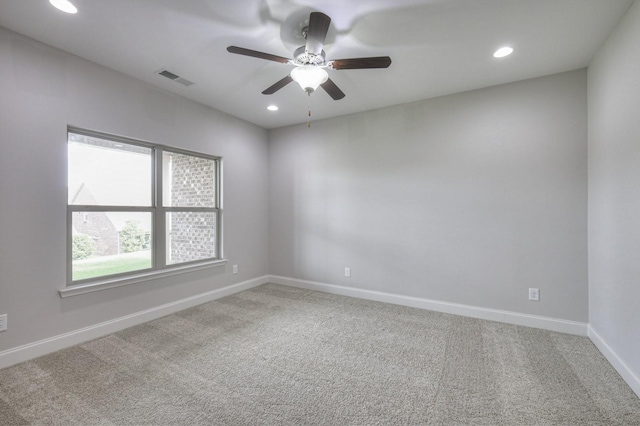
193 234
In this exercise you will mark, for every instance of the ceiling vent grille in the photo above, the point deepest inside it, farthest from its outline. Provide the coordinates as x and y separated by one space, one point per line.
174 77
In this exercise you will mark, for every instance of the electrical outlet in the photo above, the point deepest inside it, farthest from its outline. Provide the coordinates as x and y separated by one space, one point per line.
3 322
235 269
534 294
347 272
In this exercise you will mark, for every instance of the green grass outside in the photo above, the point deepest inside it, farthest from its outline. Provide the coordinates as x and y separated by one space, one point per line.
99 267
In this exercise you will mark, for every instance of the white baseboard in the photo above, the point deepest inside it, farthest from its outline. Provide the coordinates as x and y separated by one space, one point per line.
621 367
42 347
545 323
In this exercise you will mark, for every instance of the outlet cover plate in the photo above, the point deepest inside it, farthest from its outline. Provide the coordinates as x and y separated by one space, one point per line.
534 294
3 322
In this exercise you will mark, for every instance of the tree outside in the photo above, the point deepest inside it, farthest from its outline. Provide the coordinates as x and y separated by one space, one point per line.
82 246
132 237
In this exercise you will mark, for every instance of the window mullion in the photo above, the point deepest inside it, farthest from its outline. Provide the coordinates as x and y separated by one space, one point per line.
100 208
159 217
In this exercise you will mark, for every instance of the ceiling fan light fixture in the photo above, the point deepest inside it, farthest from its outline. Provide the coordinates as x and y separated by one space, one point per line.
310 61
64 5
309 77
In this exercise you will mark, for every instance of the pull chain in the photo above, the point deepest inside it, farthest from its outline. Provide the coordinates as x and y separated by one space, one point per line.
309 110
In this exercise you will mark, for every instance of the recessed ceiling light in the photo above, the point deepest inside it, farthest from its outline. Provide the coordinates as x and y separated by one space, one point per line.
272 108
503 51
64 5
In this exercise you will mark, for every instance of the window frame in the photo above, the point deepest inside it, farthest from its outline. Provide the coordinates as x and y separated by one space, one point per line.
159 267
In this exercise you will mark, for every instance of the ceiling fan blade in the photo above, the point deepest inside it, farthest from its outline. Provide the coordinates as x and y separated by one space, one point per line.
277 86
360 63
317 32
334 91
256 54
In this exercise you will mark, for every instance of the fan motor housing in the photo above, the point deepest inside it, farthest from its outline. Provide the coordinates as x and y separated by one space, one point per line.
301 57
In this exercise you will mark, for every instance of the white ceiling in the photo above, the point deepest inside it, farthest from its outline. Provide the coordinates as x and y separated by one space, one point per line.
437 47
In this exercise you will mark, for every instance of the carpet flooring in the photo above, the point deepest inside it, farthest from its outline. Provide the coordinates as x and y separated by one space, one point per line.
276 355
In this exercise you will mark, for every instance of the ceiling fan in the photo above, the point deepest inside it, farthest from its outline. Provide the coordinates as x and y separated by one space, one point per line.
310 61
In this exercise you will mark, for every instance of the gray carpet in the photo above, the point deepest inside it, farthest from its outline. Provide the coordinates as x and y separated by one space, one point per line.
276 355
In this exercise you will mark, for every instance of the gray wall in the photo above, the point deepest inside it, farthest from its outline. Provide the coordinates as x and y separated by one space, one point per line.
614 191
42 90
470 198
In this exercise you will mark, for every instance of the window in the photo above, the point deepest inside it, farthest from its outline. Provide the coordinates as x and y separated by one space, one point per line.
136 208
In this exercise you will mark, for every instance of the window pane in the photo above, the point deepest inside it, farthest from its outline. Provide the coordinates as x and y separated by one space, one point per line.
188 181
107 243
108 173
190 236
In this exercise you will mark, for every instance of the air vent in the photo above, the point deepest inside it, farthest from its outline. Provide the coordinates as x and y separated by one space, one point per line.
174 77
168 74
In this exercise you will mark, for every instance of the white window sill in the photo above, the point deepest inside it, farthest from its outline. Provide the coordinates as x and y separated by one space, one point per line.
75 290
